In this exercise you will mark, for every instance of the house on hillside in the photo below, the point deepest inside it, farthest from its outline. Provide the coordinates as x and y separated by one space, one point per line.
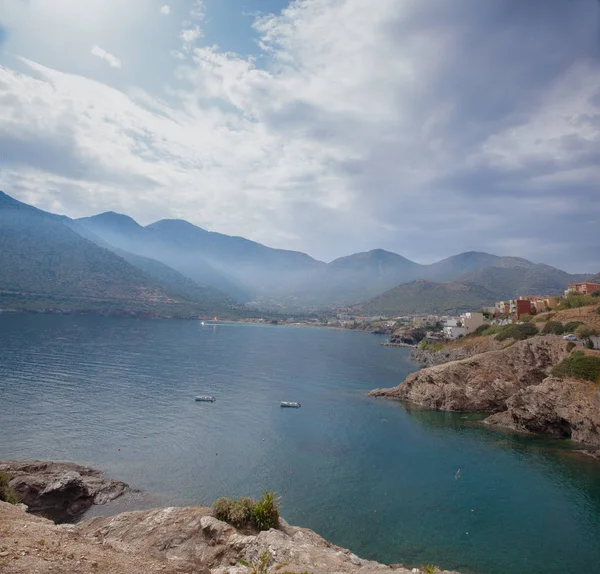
465 324
585 288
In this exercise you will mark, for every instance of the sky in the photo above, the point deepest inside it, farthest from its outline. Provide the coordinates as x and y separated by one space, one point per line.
424 127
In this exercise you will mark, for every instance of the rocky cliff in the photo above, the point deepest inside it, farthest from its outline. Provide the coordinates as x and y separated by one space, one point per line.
182 540
566 408
481 383
514 384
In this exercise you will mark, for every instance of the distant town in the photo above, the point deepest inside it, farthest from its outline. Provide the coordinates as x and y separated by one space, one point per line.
445 327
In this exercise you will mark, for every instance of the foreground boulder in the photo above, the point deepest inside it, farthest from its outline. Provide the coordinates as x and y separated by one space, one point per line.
182 540
484 382
567 408
61 491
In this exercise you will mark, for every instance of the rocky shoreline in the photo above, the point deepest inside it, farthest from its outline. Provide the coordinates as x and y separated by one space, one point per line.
515 386
182 540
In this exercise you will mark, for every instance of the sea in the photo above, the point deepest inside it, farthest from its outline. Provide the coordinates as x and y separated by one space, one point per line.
389 481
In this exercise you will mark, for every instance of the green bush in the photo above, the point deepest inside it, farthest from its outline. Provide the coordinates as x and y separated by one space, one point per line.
517 332
485 331
426 345
571 326
579 366
240 512
245 512
7 492
571 346
575 300
553 328
265 513
221 508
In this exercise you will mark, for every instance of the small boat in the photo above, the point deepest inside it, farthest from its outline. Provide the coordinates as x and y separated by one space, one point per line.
205 399
290 405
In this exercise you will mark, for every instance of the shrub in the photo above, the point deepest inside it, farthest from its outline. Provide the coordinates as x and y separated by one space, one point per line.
265 513
221 508
575 300
553 328
571 326
517 332
426 345
262 514
595 293
7 492
240 512
585 333
571 346
428 568
579 366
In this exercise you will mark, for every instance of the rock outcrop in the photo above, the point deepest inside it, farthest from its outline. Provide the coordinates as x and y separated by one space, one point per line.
61 491
182 540
455 351
484 382
566 408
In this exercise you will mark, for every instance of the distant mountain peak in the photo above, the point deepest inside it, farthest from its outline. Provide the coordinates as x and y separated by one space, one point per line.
113 219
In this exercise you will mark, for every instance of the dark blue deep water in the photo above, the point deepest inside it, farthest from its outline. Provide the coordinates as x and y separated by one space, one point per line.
367 474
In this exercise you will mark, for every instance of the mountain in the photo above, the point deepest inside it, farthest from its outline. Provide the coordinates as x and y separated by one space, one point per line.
43 260
429 297
237 266
186 262
350 279
457 265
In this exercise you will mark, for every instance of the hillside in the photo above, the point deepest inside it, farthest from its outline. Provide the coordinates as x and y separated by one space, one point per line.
510 282
429 297
45 264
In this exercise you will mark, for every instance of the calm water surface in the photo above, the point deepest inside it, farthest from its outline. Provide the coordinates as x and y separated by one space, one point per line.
367 474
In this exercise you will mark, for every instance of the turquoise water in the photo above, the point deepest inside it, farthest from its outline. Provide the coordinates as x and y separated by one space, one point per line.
367 474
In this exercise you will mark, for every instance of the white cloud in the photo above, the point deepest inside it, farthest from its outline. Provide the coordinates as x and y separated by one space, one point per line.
359 132
111 60
189 36
166 10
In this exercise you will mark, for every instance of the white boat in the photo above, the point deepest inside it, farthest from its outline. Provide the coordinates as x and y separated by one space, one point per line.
205 399
290 405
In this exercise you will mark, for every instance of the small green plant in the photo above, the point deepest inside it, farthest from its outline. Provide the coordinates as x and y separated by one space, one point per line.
579 366
245 512
261 566
7 492
265 513
428 568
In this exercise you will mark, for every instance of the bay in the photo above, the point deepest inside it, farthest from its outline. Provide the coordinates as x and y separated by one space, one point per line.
370 475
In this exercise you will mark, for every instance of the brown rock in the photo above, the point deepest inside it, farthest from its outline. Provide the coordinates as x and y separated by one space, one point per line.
484 382
566 408
61 491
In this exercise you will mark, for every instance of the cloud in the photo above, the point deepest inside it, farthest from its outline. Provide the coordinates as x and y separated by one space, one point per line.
111 60
420 127
166 10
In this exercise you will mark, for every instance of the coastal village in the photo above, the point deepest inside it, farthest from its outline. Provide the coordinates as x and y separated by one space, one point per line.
448 327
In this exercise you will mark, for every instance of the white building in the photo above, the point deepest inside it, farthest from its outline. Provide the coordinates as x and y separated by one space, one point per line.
454 332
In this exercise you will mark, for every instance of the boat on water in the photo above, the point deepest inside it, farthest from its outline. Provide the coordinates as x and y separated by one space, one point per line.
290 405
205 399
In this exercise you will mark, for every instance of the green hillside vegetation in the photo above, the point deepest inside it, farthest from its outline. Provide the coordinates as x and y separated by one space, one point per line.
579 366
429 297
